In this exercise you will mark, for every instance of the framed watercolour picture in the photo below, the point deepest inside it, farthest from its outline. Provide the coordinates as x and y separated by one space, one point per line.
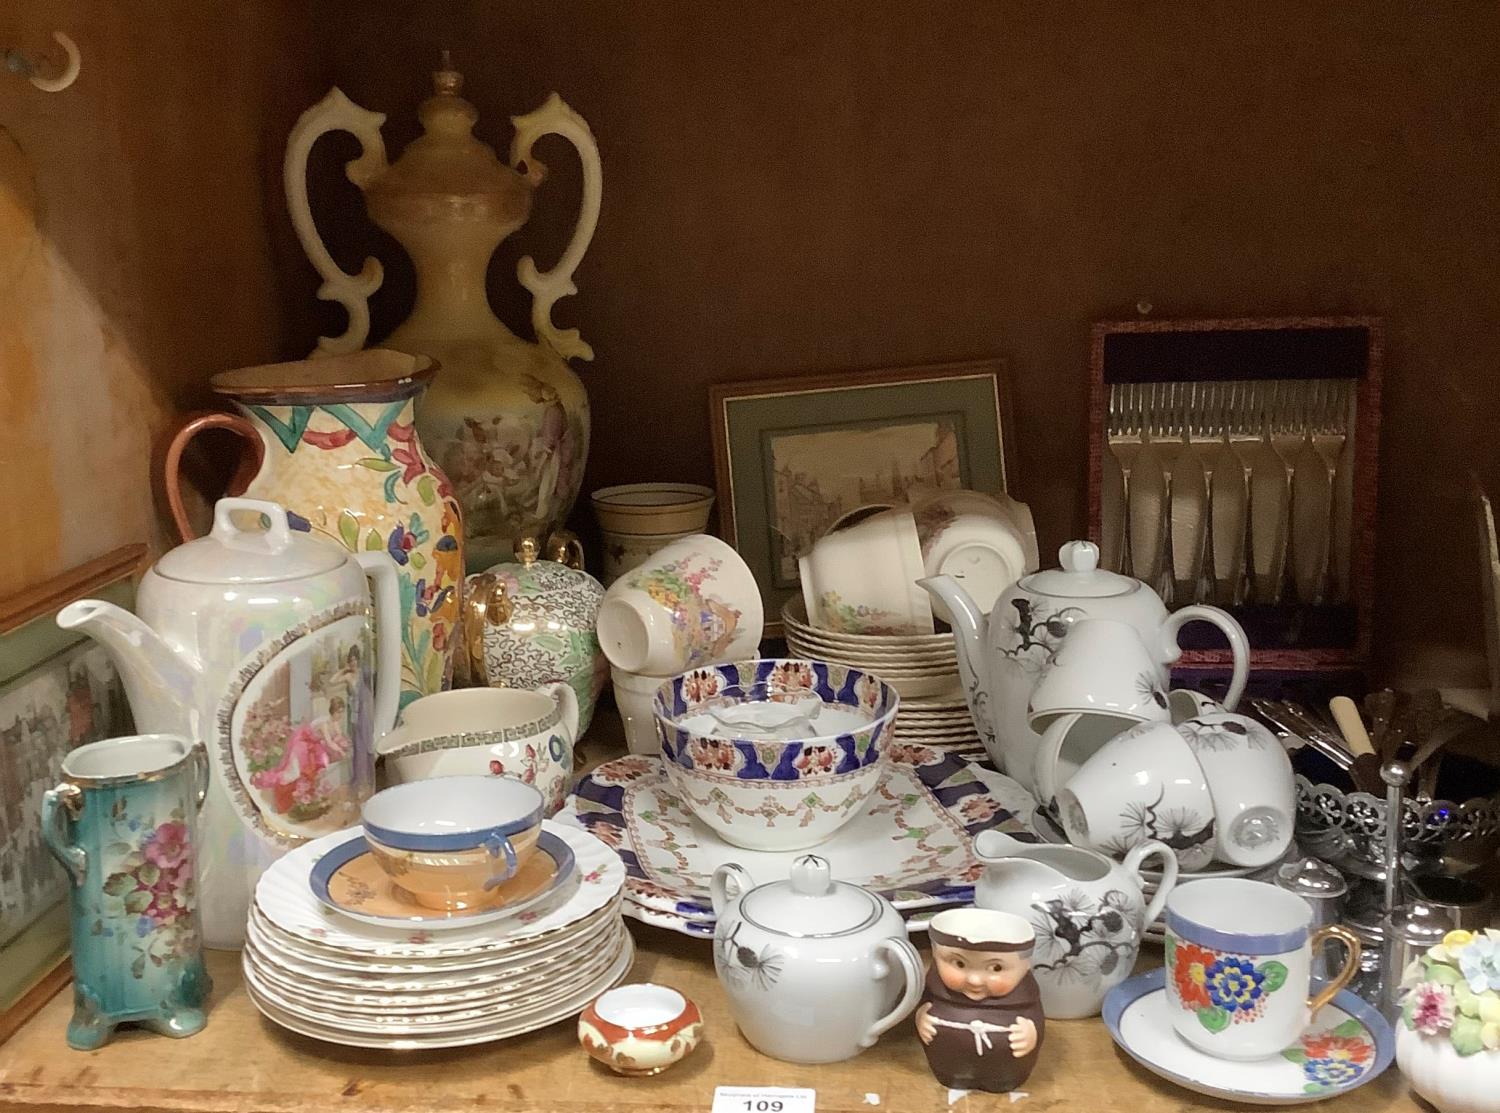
792 456
58 690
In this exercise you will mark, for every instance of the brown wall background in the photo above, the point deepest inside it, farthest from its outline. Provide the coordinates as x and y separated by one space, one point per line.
804 188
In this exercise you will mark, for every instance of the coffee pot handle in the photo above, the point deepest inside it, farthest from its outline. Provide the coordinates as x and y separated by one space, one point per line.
336 112
1239 644
1168 857
896 953
59 806
386 581
556 118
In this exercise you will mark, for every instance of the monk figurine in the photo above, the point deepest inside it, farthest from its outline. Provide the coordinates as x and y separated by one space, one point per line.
980 1019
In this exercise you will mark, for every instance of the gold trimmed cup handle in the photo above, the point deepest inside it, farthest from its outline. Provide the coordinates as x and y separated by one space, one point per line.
1350 967
60 806
201 774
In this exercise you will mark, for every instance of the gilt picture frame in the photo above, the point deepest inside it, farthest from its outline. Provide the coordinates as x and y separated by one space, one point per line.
58 690
793 455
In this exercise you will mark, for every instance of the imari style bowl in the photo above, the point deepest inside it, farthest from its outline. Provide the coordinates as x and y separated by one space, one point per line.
640 1029
775 754
451 842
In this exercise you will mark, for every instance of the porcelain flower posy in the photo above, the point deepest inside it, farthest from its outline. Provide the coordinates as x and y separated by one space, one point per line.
1455 988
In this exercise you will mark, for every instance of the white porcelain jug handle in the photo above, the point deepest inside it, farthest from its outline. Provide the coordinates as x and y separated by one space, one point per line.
387 591
1168 859
1239 644
336 112
556 118
729 883
567 703
896 953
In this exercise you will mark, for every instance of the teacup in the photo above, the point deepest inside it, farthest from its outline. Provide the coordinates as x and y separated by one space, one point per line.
1239 956
974 538
509 732
451 842
1250 779
1102 668
1141 786
1067 743
693 602
634 696
862 578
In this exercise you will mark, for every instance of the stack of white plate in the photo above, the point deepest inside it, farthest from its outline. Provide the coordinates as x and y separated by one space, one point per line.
923 668
435 983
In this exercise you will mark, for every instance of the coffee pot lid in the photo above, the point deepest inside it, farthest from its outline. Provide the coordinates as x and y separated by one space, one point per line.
449 163
810 904
1078 576
234 554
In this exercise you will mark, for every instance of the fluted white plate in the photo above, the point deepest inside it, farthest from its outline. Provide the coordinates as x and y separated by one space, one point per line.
285 899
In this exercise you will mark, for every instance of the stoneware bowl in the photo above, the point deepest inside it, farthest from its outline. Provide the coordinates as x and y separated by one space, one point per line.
640 1029
452 841
655 509
775 754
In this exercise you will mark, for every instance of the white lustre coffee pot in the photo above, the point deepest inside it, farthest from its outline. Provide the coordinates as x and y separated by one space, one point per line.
259 644
1002 656
1087 910
814 969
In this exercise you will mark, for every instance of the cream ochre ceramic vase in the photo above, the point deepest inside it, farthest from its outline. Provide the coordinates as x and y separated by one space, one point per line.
334 442
507 419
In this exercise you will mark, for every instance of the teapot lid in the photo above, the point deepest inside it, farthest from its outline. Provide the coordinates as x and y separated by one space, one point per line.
447 171
1079 576
810 904
231 554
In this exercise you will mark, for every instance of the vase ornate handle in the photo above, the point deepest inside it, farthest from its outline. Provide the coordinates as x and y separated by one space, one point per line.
188 427
556 118
336 112
60 806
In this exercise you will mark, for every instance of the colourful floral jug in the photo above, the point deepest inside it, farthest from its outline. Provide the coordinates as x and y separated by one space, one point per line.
333 441
507 419
123 824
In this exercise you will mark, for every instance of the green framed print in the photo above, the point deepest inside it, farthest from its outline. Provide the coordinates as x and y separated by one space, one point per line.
792 456
58 690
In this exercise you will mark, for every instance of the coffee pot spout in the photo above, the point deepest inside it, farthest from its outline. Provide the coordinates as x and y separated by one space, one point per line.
160 682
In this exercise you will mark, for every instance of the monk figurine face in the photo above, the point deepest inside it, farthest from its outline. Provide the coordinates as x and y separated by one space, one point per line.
980 974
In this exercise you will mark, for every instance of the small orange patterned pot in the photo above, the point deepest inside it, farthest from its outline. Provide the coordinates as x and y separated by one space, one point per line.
640 1029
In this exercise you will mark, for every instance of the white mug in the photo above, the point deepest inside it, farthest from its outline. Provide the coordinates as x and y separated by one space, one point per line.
1239 957
634 698
1102 668
693 602
1250 779
862 578
1144 785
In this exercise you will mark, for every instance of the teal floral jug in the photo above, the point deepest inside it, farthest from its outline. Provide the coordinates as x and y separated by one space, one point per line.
123 823
334 441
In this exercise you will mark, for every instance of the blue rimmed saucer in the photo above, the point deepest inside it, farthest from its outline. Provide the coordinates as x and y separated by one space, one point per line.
349 880
1348 1044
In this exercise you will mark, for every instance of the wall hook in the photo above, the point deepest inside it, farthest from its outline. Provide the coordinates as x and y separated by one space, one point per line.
19 62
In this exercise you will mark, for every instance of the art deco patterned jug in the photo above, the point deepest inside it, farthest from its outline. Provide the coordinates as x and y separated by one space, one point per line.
507 419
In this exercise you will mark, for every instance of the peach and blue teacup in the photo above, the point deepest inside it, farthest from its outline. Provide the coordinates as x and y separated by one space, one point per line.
451 842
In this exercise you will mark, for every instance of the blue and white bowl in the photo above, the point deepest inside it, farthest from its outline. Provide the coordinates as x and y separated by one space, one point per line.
775 754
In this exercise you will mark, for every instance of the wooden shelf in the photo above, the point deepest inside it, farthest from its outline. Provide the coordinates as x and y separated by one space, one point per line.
242 1062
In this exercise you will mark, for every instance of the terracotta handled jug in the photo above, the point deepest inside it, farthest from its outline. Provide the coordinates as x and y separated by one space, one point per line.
333 441
507 419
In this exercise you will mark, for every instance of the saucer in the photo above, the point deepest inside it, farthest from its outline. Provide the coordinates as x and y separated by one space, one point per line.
349 880
1348 1044
912 843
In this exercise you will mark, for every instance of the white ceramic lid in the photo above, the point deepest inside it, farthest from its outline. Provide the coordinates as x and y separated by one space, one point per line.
1079 576
810 903
238 553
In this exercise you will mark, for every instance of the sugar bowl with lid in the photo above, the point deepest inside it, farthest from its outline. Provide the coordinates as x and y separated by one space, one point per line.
814 969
